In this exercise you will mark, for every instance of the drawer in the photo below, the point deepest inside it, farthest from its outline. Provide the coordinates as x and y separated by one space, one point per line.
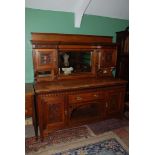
83 97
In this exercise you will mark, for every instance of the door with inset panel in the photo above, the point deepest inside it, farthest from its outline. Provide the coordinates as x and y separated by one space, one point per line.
45 64
109 57
52 113
106 61
115 102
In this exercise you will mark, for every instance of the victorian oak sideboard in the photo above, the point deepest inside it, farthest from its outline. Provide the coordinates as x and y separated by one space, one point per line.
76 102
73 81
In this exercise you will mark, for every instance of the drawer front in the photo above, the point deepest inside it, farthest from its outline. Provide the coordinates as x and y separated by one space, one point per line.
82 97
28 105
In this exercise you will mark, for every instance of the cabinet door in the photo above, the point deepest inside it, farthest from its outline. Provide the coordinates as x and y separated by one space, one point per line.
45 64
108 57
115 102
51 113
45 58
106 62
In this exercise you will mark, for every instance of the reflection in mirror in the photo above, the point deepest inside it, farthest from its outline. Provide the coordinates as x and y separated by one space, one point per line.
76 62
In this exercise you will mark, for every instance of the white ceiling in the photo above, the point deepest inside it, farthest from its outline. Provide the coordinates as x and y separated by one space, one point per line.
109 8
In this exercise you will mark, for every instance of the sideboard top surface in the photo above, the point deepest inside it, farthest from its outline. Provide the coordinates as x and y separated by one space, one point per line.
45 87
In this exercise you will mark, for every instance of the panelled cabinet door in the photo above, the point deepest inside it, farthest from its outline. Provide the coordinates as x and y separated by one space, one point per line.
45 58
52 112
45 64
106 61
115 102
108 57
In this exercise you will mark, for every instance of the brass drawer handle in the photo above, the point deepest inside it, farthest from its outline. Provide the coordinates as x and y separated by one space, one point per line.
78 98
95 95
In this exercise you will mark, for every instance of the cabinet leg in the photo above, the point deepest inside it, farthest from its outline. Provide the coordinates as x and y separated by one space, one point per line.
34 117
36 131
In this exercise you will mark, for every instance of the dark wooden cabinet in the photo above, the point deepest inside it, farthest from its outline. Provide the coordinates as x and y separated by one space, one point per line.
122 67
74 84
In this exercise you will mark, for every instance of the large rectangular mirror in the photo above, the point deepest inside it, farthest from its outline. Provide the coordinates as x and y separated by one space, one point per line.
72 62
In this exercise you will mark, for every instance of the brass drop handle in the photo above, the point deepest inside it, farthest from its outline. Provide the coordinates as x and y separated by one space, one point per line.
95 95
78 98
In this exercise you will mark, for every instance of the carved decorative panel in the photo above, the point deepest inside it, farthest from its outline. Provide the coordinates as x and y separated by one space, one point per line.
54 113
45 58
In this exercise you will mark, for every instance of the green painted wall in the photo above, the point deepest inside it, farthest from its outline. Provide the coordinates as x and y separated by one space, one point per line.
61 22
